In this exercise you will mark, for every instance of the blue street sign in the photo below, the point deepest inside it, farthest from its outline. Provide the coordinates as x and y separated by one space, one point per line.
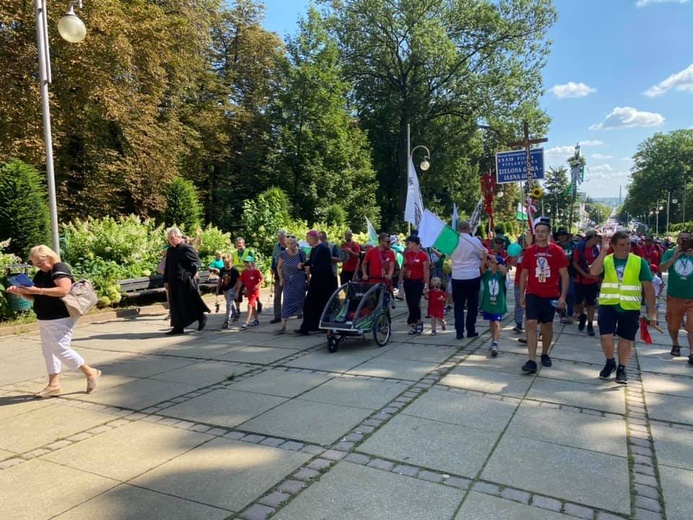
512 166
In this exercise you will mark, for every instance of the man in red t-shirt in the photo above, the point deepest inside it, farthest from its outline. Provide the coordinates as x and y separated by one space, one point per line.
586 284
416 272
543 287
352 251
379 263
652 252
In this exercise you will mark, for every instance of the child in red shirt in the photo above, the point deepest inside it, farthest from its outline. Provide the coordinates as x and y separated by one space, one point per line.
250 280
436 304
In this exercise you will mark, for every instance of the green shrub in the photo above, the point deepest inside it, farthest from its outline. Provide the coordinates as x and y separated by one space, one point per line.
6 259
213 240
23 207
336 215
263 217
183 208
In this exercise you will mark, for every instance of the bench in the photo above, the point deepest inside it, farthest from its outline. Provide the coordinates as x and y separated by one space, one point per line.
154 284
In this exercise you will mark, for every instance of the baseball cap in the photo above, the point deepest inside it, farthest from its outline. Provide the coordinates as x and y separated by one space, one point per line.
562 231
591 233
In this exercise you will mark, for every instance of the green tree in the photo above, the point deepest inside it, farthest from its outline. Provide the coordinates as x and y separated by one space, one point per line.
557 195
183 207
441 66
262 217
24 214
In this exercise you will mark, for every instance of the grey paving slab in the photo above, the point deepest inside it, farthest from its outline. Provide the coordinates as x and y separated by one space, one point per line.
281 383
4 454
478 506
139 394
350 391
13 372
608 397
669 408
223 473
665 364
673 446
18 404
204 373
561 472
578 351
436 445
421 352
570 371
353 491
465 410
669 385
37 490
341 361
46 425
74 384
505 362
394 368
578 430
144 366
260 355
677 488
128 451
224 407
294 341
483 380
132 503
307 421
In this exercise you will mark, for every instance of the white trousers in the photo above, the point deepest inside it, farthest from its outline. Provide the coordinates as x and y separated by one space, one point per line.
56 336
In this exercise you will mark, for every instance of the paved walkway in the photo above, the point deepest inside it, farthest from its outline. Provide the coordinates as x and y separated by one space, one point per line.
231 424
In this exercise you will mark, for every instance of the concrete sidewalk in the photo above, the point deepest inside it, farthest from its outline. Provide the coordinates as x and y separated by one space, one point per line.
232 424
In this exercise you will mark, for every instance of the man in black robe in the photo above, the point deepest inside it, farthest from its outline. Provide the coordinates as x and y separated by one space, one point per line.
321 285
185 302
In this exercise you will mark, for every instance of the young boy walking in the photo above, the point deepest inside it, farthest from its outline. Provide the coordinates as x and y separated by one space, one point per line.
250 280
493 302
226 285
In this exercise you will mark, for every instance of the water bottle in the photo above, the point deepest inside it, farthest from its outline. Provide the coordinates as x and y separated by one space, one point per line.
554 303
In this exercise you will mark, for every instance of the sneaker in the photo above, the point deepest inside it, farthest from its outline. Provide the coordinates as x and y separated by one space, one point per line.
690 360
582 321
518 329
255 323
590 331
428 316
461 336
530 367
245 325
546 360
522 340
621 376
433 333
276 320
448 308
235 319
494 349
444 326
225 325
609 367
413 331
675 351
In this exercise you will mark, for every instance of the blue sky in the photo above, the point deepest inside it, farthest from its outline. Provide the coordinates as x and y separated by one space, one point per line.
619 71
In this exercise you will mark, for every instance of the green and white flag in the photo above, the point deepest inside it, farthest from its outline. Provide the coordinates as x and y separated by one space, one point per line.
433 232
521 213
372 233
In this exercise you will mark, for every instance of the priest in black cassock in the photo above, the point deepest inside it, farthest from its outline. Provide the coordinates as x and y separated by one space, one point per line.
321 285
185 302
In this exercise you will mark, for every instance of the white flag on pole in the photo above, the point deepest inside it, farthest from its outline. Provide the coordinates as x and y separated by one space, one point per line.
455 216
414 208
476 216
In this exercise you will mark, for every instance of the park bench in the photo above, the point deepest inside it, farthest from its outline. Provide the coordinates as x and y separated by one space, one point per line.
154 284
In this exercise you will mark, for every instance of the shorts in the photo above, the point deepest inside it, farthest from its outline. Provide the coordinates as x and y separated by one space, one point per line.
253 297
587 293
492 317
677 308
539 309
624 324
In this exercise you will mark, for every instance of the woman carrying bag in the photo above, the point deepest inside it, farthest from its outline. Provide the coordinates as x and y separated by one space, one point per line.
53 281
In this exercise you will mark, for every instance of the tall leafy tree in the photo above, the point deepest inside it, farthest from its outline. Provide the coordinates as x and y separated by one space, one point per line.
557 195
442 66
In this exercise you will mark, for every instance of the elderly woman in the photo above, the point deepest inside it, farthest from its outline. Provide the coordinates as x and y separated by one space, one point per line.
53 281
292 280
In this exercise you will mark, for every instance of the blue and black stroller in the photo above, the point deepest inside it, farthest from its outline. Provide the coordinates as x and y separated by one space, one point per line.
355 309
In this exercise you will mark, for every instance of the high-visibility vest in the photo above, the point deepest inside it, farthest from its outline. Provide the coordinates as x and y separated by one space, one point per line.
628 293
239 260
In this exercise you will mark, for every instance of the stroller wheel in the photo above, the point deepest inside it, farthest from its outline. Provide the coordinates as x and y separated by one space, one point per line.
382 329
332 344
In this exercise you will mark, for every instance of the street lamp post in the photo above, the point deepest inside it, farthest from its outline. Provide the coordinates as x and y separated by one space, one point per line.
72 29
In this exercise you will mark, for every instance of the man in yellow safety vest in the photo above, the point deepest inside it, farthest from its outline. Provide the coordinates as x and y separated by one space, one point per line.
626 276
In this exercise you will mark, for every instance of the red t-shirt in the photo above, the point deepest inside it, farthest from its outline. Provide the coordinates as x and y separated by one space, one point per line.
414 263
518 271
251 279
653 254
436 304
351 263
590 257
379 262
543 264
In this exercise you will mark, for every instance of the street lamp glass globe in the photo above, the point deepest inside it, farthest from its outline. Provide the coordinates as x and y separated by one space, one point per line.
425 165
674 201
71 28
500 194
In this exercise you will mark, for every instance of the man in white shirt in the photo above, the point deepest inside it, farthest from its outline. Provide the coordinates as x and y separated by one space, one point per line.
466 279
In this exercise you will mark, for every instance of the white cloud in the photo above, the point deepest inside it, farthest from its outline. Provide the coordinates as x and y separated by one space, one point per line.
601 156
681 81
629 117
601 168
592 142
572 90
645 3
560 150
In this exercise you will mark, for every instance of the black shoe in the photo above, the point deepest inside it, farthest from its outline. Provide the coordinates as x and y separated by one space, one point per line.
546 360
302 332
460 336
690 360
473 335
583 320
175 332
675 351
530 367
276 320
202 322
621 377
590 331
608 369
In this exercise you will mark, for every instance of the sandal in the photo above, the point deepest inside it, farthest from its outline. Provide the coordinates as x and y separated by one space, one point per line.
48 392
675 350
92 380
